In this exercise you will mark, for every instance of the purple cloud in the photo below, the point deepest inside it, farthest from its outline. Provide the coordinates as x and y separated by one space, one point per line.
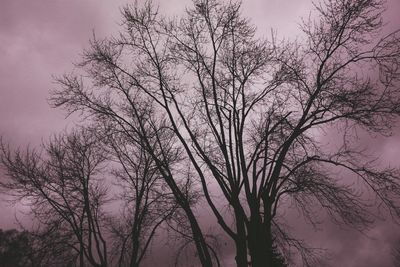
42 38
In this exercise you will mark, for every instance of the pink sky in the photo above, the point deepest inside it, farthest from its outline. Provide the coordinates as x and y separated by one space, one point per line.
41 38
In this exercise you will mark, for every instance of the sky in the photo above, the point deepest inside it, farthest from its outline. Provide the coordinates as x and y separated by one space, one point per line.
41 39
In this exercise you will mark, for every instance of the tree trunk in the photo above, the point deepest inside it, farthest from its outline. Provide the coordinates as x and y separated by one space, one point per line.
81 258
240 242
260 244
135 251
198 237
260 239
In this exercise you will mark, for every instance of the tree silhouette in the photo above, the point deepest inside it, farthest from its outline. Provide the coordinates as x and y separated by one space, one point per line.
14 249
147 204
34 249
65 185
64 190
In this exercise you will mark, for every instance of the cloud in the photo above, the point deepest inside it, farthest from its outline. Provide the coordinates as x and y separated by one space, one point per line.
39 39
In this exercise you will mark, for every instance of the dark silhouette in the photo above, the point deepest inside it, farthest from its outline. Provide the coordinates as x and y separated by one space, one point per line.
14 249
34 249
64 191
147 203
66 187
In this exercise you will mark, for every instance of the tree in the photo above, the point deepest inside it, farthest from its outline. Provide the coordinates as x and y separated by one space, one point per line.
147 204
64 190
51 247
14 248
24 248
244 112
67 194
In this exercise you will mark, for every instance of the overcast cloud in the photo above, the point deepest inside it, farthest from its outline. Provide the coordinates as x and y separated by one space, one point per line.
41 38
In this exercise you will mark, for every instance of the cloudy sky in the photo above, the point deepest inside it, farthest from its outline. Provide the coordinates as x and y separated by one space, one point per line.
42 38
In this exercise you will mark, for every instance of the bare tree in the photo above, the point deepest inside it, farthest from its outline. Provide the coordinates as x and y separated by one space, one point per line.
147 204
67 193
64 191
244 111
51 247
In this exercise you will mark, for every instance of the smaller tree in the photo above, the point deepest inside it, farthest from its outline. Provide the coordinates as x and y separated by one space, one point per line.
63 188
34 249
14 249
64 185
52 247
147 202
